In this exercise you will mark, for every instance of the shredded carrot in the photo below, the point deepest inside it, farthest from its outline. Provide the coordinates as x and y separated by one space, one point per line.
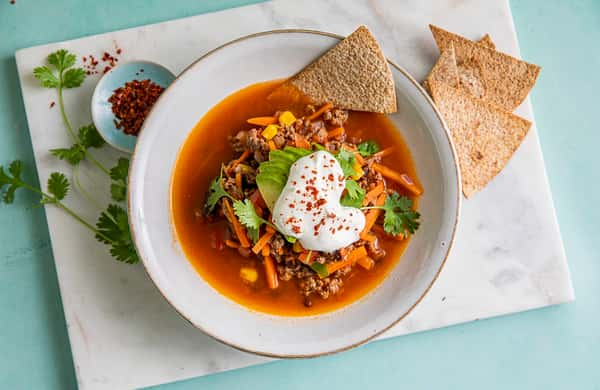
305 257
370 237
238 180
359 158
232 244
373 214
266 250
272 145
280 251
372 195
264 240
379 230
366 262
263 120
350 259
335 133
400 178
239 230
301 142
320 111
271 273
384 152
243 157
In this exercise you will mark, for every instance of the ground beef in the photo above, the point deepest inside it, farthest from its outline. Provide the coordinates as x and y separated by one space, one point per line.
257 145
335 117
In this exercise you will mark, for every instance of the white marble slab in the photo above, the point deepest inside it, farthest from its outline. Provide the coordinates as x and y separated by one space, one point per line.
508 255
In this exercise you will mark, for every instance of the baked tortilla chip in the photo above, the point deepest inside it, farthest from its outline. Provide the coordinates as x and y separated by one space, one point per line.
444 70
353 75
485 136
506 80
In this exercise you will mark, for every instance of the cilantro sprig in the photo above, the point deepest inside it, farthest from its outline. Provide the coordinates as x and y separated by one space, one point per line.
367 148
347 161
112 228
119 174
399 217
354 196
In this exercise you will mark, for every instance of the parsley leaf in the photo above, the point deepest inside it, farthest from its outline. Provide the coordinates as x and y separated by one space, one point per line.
347 162
354 194
399 218
62 59
367 148
73 155
73 78
215 192
89 137
113 229
46 77
58 185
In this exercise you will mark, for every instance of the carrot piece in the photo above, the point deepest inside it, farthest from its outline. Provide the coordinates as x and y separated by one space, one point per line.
366 262
372 195
305 257
400 178
373 214
232 244
320 111
280 251
271 273
272 145
335 133
238 180
379 230
350 259
266 250
370 237
356 253
264 240
359 159
241 159
263 120
384 152
239 230
301 142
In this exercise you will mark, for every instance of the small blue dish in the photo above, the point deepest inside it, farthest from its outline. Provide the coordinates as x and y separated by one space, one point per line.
102 114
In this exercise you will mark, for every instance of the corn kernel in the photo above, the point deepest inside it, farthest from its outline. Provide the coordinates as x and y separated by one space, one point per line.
270 131
359 171
248 275
297 247
286 118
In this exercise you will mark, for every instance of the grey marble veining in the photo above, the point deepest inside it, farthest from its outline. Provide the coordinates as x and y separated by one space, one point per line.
507 257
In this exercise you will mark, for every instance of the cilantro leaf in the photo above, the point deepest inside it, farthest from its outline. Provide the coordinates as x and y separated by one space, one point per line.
118 192
246 213
354 194
120 171
89 137
367 148
215 192
113 229
73 78
347 162
73 155
399 218
124 252
46 77
58 185
15 169
62 59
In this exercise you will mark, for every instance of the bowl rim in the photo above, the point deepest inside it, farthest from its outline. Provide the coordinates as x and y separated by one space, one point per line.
449 245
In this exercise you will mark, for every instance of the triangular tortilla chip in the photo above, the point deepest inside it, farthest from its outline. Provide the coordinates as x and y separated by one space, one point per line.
471 78
507 80
444 70
353 75
485 136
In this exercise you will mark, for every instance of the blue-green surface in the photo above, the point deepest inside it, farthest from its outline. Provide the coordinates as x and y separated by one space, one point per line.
553 348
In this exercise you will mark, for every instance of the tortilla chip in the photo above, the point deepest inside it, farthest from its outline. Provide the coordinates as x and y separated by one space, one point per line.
485 136
444 70
353 75
486 41
471 78
507 80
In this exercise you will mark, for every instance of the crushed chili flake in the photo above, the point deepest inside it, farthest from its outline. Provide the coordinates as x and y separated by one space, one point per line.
132 102
52 104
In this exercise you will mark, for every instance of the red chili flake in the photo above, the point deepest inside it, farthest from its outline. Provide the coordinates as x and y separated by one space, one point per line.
52 104
309 206
119 51
106 69
84 59
296 229
331 177
294 182
292 205
347 227
321 202
132 102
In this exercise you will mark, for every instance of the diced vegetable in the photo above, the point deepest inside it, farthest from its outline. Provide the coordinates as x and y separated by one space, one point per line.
372 215
270 131
272 145
306 257
271 272
358 170
400 178
297 247
324 108
239 230
366 262
301 142
320 269
286 118
248 275
336 133
232 244
262 120
374 193
264 240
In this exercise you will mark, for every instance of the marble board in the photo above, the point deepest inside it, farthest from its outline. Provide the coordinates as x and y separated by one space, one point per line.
123 334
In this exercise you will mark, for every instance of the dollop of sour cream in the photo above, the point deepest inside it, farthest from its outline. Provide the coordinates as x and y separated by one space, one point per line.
309 206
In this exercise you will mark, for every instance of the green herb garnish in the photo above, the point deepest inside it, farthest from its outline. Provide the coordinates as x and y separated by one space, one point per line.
367 148
347 162
399 217
354 195
320 269
118 174
87 137
247 216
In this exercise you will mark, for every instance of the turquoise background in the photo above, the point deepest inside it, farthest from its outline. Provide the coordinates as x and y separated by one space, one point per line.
552 348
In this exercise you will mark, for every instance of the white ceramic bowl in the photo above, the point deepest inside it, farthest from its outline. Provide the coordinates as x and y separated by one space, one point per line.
267 56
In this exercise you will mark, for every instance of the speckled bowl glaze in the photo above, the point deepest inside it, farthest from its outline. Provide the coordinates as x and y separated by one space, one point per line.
206 82
102 114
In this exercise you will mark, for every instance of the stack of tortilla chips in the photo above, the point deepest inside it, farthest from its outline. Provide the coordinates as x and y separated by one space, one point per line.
476 88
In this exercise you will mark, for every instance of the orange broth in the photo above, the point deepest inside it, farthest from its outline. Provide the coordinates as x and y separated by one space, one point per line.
198 164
